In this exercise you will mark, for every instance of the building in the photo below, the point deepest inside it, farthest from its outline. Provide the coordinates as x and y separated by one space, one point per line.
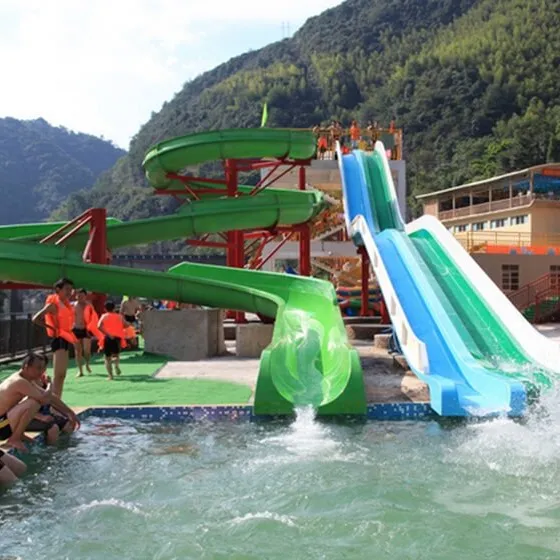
510 224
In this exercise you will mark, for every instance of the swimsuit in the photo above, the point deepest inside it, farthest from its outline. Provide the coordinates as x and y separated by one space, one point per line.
80 333
40 426
112 347
5 428
59 343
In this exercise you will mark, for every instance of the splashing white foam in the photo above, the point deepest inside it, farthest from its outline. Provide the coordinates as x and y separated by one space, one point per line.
112 502
306 437
518 448
285 519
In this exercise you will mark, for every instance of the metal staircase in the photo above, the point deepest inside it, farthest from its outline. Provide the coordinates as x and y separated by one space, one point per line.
539 301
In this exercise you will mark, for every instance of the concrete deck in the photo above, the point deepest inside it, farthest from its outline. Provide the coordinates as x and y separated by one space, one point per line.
386 380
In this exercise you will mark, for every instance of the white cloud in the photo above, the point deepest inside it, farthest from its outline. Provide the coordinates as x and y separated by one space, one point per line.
103 66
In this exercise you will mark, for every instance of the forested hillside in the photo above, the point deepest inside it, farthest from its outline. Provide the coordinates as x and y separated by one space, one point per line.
40 165
472 82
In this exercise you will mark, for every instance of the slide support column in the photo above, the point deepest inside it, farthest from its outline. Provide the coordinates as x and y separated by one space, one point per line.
364 311
304 235
236 240
98 249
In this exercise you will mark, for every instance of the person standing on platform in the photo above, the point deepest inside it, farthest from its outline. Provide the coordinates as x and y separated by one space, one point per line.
84 318
113 326
57 316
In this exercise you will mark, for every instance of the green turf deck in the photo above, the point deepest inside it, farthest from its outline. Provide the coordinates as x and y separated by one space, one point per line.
137 386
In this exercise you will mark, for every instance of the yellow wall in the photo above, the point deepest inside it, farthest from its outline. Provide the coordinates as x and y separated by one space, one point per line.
531 267
546 218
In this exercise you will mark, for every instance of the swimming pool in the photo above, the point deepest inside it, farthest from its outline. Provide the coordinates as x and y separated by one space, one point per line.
383 490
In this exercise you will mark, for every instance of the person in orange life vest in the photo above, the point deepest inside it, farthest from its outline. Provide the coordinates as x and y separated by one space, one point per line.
83 316
113 326
57 316
355 135
322 145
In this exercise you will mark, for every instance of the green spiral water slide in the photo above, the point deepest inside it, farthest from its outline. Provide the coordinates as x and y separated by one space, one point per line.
309 361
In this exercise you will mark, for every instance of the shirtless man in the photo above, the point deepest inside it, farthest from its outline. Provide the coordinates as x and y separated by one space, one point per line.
21 398
57 316
83 345
129 309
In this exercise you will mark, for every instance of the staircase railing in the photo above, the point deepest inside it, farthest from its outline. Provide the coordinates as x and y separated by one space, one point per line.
538 294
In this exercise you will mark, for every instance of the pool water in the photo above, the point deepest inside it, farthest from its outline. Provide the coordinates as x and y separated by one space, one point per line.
385 490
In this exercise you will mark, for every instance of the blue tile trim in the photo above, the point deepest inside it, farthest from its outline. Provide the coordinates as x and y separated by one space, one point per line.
400 411
175 413
386 411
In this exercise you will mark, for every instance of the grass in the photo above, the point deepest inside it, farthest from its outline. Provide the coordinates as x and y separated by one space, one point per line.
137 386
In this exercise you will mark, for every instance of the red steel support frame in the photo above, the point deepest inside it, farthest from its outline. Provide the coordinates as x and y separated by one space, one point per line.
98 249
304 235
95 251
235 240
235 256
364 311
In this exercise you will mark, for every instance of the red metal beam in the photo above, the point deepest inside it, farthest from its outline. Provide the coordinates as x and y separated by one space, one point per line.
63 228
364 311
98 249
74 230
304 235
275 250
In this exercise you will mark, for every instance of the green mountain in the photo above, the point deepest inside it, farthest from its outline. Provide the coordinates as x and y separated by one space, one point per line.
472 83
40 165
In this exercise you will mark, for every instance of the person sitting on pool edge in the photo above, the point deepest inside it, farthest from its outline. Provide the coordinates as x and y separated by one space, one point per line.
21 398
11 468
47 420
113 326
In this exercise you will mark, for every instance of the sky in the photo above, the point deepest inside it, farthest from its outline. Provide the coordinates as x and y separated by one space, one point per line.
104 66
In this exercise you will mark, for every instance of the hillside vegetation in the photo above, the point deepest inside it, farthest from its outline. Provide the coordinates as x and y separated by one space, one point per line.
41 165
472 82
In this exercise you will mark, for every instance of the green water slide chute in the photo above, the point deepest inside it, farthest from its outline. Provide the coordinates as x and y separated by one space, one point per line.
310 361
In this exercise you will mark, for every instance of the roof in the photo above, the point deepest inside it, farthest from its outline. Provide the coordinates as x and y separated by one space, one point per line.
553 170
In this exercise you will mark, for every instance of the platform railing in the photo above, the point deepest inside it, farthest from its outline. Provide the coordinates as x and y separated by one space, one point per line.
18 335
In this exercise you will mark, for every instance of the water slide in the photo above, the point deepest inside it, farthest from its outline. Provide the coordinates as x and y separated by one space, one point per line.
458 331
309 361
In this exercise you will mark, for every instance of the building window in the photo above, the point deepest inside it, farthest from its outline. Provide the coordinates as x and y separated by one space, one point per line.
460 229
554 275
478 226
519 220
510 277
498 223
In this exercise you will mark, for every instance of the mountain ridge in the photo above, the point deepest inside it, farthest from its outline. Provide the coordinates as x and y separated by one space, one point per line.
471 82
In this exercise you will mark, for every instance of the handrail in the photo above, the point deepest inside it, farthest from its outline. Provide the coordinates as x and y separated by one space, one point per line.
530 294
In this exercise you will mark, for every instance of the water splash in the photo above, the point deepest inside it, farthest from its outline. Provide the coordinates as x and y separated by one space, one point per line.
284 519
306 438
530 447
111 503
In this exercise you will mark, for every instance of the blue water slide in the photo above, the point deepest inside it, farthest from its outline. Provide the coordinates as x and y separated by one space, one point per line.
459 385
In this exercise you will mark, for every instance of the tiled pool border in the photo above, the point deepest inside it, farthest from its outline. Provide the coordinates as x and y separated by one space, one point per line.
380 411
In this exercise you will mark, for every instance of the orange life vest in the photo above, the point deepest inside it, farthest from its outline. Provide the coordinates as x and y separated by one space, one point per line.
355 133
61 323
91 319
113 325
